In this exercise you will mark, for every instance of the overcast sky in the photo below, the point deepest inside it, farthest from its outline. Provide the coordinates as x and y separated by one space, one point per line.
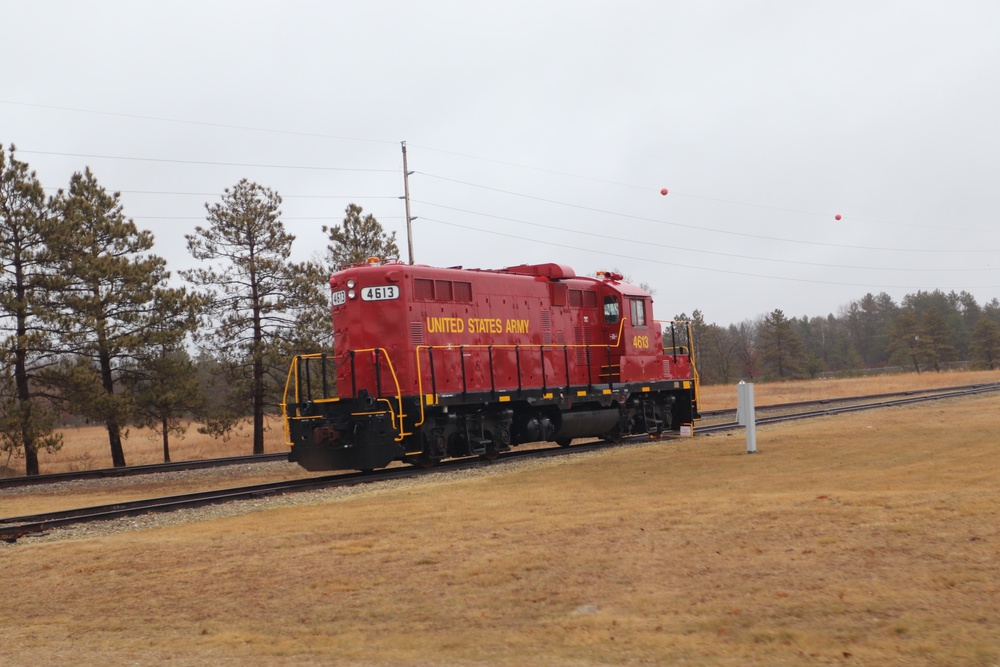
544 130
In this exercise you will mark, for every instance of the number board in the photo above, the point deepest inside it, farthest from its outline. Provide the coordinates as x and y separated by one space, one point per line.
380 293
339 298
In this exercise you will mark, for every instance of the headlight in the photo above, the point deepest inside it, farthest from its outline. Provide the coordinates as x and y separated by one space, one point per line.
351 294
350 283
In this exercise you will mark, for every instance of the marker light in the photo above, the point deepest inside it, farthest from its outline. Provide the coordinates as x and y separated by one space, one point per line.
351 294
350 284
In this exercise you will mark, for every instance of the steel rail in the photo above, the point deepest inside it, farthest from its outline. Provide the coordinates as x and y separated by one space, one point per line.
14 528
153 468
148 469
953 392
845 399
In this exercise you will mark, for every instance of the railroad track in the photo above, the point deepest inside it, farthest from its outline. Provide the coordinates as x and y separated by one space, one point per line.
128 471
108 473
14 528
925 396
850 399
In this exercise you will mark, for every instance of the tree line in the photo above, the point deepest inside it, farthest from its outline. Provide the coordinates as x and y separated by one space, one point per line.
922 332
92 326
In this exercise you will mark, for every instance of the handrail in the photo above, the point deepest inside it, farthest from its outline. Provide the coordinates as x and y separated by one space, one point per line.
695 376
399 392
515 346
294 374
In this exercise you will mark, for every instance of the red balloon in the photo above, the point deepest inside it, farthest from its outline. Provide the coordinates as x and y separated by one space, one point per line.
663 191
836 217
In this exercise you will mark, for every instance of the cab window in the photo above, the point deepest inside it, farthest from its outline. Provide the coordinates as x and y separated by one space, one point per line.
638 312
611 314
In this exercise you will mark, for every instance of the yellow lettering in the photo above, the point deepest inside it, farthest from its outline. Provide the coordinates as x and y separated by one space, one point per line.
445 325
477 325
484 325
517 326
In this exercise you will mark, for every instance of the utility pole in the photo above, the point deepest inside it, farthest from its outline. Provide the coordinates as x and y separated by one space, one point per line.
406 196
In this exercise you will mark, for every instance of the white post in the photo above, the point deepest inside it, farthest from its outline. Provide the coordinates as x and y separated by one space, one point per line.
745 414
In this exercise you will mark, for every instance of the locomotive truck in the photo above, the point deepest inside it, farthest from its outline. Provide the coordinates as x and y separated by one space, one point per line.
432 363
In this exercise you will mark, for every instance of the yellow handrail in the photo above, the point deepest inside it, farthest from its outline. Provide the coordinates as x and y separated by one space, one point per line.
420 375
399 392
294 373
690 353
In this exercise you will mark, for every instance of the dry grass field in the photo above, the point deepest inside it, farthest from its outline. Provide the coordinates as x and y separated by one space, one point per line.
719 397
869 539
86 448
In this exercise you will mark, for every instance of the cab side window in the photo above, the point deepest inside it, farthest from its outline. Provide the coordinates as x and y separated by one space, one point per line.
638 312
611 314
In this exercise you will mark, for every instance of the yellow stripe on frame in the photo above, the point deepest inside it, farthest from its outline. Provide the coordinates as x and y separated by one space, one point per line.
504 399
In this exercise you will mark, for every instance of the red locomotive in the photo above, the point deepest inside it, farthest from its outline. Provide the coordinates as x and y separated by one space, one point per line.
433 363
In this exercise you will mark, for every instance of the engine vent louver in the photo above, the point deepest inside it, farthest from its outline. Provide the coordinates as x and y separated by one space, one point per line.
546 327
416 333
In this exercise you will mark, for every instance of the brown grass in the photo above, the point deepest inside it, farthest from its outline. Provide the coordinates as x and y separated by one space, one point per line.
870 539
721 397
87 448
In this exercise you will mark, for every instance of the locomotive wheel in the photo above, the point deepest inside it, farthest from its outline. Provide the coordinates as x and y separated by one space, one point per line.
489 455
563 442
614 435
424 461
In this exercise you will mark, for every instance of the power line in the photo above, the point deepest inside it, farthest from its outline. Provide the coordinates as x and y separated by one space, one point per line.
701 268
217 194
201 217
649 243
445 152
700 228
195 122
223 164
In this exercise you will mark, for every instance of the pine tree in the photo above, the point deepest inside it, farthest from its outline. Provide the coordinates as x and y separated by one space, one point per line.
935 338
114 306
779 345
905 338
165 390
26 421
262 307
986 340
869 321
358 238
